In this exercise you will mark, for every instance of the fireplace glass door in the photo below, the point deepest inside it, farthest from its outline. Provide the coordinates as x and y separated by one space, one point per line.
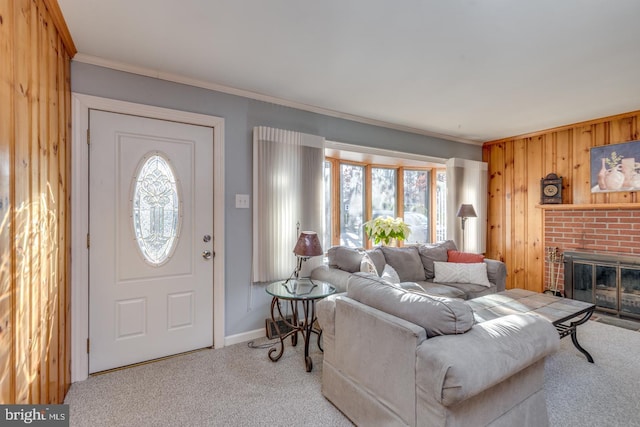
630 290
583 281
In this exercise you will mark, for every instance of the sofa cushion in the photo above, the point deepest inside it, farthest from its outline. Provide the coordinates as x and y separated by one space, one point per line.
437 315
460 257
442 290
344 258
406 261
434 252
453 369
451 272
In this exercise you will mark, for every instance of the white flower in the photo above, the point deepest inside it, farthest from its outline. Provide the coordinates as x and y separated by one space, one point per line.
384 229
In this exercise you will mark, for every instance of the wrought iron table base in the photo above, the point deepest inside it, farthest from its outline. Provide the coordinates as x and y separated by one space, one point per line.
305 328
570 329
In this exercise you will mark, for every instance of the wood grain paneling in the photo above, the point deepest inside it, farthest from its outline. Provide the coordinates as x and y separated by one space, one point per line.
515 231
35 101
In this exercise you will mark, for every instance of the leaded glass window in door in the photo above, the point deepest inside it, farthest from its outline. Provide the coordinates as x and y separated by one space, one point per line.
156 208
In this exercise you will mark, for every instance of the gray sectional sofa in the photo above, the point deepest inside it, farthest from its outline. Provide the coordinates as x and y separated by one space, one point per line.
415 268
412 353
398 357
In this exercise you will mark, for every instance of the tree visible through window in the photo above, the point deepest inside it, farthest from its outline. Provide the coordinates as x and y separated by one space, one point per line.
383 192
417 205
351 205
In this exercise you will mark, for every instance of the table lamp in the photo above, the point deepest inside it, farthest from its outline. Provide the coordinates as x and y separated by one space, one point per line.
308 246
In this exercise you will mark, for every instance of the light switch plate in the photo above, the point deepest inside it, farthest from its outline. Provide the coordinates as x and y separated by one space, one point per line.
242 201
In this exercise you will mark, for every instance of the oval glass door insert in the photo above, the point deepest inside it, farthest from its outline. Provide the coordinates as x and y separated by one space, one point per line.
156 208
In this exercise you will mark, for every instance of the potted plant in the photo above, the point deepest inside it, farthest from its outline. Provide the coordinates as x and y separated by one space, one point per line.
385 230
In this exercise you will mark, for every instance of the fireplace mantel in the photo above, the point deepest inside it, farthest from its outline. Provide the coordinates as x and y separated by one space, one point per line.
597 206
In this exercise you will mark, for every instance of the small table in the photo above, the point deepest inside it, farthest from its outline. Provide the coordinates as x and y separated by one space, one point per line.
305 291
564 313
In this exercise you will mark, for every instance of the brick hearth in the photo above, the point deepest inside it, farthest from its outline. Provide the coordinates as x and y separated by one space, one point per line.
610 231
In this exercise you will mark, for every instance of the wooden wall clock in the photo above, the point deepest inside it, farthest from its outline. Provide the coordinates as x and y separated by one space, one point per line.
551 189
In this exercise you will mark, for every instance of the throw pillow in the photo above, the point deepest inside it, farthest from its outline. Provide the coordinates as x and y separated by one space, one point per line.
390 275
377 257
406 261
451 272
464 257
367 266
429 253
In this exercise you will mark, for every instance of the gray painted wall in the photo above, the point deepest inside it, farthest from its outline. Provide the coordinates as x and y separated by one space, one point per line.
247 305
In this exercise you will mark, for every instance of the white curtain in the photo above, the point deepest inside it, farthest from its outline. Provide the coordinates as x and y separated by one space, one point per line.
467 183
287 191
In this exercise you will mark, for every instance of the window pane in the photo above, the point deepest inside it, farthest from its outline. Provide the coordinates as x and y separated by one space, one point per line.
383 192
352 205
326 244
441 205
156 209
416 205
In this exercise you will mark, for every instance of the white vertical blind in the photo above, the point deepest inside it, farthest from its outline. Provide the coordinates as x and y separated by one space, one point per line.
287 190
467 183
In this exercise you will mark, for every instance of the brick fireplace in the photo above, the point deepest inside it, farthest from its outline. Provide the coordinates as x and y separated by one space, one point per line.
605 230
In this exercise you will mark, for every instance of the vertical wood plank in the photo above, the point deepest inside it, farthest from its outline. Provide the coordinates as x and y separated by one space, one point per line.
508 214
519 217
563 155
534 255
581 165
495 160
600 137
7 342
21 216
38 300
64 115
52 211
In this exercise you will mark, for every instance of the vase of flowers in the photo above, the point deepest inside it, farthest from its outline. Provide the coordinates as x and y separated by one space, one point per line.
385 230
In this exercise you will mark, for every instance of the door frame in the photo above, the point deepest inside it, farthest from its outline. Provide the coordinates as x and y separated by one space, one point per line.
81 104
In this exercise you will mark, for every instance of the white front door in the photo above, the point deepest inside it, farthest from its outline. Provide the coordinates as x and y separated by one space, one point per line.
150 239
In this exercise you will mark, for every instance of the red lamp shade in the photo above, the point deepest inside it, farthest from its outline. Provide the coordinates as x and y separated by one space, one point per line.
308 245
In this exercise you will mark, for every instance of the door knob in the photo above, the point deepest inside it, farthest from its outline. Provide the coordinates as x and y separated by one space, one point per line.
207 254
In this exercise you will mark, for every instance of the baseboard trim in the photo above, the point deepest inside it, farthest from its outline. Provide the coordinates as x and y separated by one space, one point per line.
244 337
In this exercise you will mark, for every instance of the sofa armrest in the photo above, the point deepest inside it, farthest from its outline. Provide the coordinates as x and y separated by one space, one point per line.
453 368
377 351
497 273
338 278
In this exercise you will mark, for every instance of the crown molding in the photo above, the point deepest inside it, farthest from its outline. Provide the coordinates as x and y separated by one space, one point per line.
176 78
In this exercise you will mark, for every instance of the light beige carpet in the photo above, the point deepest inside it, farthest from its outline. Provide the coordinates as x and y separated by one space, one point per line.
240 386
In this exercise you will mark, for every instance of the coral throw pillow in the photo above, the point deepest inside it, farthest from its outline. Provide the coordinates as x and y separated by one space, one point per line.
464 257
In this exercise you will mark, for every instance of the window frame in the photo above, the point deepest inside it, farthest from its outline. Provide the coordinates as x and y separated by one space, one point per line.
335 194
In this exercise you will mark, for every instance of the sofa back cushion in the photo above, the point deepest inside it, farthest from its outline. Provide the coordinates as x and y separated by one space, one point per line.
344 258
434 252
406 261
437 315
349 259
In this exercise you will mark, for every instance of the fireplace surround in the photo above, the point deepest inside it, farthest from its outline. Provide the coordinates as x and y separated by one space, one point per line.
611 281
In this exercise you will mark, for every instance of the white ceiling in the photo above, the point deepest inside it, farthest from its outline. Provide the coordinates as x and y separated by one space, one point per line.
473 70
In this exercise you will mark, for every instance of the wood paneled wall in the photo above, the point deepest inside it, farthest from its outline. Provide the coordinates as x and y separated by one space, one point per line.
35 128
516 165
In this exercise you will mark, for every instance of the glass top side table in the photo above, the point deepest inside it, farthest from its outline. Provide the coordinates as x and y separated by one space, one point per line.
305 292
